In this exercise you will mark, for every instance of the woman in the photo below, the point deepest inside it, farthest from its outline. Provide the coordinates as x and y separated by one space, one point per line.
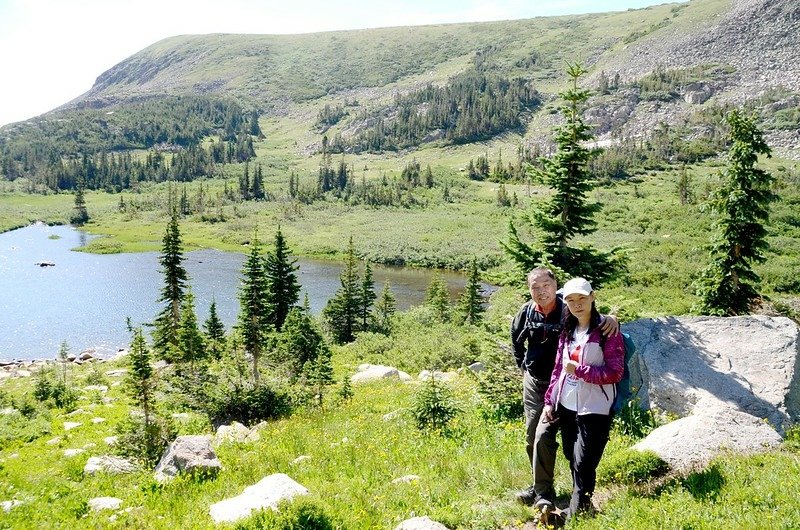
582 390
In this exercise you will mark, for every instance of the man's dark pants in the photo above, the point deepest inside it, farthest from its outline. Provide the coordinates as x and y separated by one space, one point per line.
542 460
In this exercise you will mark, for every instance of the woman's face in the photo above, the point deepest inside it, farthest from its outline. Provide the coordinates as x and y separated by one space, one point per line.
580 305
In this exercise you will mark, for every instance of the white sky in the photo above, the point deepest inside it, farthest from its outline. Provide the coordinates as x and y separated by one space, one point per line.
51 51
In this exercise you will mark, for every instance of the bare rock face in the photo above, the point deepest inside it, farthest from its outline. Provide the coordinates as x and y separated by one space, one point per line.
188 454
692 442
689 364
267 493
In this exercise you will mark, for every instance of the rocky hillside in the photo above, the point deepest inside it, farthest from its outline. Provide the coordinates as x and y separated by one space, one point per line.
725 52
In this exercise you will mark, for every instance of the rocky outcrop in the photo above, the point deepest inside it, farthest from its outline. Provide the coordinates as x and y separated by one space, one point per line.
373 372
267 493
749 363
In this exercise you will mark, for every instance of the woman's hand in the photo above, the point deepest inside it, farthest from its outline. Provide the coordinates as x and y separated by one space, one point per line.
547 414
570 367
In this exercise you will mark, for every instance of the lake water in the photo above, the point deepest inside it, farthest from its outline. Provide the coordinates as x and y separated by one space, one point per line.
84 299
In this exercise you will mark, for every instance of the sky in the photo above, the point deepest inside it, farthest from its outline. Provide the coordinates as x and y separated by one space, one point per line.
51 51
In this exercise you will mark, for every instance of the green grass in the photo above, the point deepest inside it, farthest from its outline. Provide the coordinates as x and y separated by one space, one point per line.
466 479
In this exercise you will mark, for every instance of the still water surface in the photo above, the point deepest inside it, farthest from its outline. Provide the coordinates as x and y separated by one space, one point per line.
84 299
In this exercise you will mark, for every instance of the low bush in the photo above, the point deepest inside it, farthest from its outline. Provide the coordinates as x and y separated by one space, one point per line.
300 514
144 443
434 405
630 466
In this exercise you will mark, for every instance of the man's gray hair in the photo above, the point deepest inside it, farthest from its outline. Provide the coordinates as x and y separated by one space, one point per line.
541 270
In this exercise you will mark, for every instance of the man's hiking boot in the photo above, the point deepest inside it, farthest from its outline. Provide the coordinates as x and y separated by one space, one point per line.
527 496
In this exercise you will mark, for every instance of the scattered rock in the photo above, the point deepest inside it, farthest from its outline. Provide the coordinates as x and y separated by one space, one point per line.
98 388
7 505
439 376
692 442
267 493
117 373
372 372
406 479
54 441
22 373
235 432
188 454
420 523
477 367
69 425
299 460
73 452
110 440
104 503
8 411
391 416
87 355
108 464
76 412
98 420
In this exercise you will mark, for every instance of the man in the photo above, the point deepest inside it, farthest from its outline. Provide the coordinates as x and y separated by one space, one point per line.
534 336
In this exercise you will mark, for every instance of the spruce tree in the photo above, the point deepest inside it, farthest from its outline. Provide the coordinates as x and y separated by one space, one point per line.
320 373
438 299
257 187
190 341
215 332
567 213
342 311
471 304
284 289
254 307
366 297
299 344
81 214
141 385
165 334
385 307
728 286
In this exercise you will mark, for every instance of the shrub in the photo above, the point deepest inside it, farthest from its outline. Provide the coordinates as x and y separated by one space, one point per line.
634 421
630 466
56 392
23 426
500 387
248 403
143 442
792 439
300 514
433 405
96 377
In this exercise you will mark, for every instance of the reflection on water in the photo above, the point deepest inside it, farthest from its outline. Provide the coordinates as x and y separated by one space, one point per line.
85 298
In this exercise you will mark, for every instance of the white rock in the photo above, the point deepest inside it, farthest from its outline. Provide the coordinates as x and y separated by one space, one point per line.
420 523
406 479
477 367
299 460
235 432
375 372
7 505
391 416
98 420
692 442
267 493
404 376
22 373
90 445
110 440
76 412
187 454
8 411
69 425
108 464
73 452
104 503
54 441
116 383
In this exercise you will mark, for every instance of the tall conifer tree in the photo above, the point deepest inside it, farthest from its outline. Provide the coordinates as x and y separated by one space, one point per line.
81 214
284 289
438 299
342 311
471 303
729 285
385 307
215 332
254 307
165 334
190 341
366 297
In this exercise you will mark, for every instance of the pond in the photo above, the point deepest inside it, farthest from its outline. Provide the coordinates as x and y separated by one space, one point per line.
50 293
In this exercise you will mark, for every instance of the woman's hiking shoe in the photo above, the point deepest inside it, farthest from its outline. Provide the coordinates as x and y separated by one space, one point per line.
527 496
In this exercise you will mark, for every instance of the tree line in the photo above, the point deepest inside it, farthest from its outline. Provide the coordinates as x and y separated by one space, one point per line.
95 143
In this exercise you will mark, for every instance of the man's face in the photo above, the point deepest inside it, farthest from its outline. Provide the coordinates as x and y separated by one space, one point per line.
543 289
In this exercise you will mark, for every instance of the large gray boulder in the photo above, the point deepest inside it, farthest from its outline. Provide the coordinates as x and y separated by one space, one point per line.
373 372
692 442
267 493
749 363
188 454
